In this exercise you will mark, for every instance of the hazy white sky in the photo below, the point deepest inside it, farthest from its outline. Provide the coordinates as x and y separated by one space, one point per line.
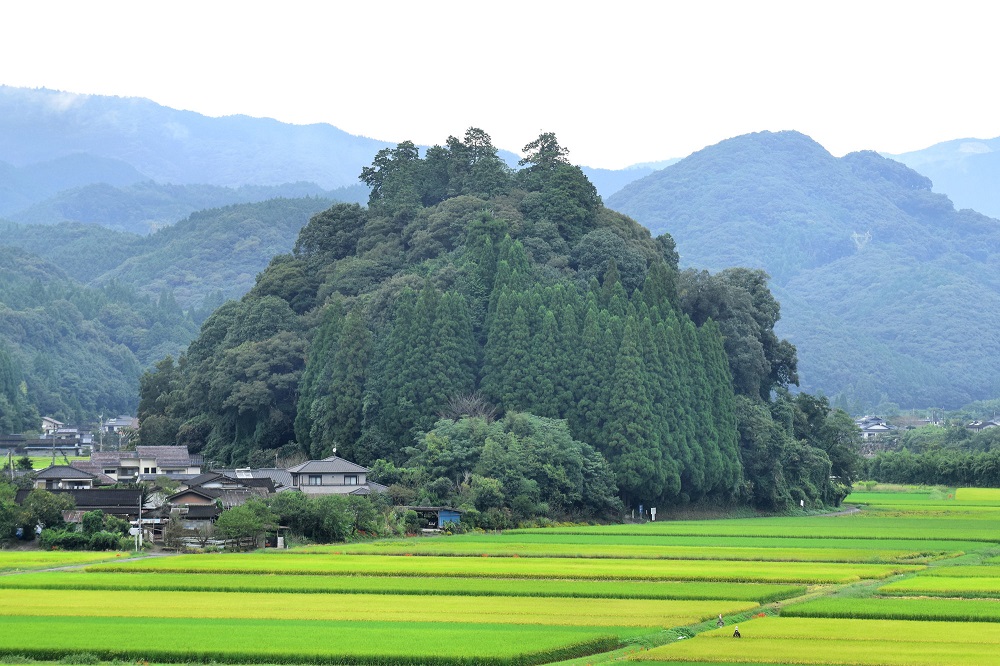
618 81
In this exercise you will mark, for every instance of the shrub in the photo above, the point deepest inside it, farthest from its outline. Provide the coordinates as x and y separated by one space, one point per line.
104 541
63 540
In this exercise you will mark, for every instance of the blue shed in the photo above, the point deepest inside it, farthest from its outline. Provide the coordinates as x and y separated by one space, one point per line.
448 516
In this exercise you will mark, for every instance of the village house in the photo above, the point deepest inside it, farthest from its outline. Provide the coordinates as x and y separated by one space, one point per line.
145 463
67 477
873 427
333 476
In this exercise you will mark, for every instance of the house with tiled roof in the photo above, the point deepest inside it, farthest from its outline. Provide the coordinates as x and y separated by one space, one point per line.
69 477
333 476
121 502
145 463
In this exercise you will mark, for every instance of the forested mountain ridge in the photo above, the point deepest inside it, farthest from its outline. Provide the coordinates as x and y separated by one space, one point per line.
466 290
134 165
81 321
144 207
212 254
73 350
889 293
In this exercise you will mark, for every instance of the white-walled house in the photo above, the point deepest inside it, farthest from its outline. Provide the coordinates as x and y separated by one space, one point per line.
333 476
146 462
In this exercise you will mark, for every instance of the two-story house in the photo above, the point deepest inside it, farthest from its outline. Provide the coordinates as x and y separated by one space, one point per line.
146 463
333 476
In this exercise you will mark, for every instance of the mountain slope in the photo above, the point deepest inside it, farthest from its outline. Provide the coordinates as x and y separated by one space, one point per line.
80 349
212 252
967 170
889 294
21 187
147 206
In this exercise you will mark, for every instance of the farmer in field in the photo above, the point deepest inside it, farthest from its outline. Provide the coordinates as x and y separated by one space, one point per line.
720 622
736 634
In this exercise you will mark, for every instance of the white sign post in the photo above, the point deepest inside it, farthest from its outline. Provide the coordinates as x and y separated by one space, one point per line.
652 513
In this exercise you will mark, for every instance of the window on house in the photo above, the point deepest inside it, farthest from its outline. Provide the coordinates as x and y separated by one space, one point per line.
315 480
111 471
351 480
149 470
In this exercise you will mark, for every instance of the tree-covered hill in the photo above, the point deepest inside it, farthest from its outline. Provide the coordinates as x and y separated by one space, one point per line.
144 207
204 259
85 309
77 350
501 340
888 292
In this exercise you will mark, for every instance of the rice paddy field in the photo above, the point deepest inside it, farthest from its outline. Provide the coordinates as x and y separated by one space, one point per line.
911 578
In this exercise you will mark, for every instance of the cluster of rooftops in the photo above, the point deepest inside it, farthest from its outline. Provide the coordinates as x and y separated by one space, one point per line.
201 495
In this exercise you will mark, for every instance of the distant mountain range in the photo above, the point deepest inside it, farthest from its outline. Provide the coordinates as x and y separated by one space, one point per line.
889 293
967 170
131 164
181 147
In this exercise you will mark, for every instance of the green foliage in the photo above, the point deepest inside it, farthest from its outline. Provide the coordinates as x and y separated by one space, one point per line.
524 464
462 279
245 522
868 262
938 466
333 518
44 508
74 350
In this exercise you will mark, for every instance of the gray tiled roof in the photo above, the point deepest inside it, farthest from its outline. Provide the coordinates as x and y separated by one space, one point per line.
166 455
331 465
64 472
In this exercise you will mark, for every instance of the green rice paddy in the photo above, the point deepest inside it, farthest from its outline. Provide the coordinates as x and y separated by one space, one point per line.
831 641
23 560
511 587
804 590
508 567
